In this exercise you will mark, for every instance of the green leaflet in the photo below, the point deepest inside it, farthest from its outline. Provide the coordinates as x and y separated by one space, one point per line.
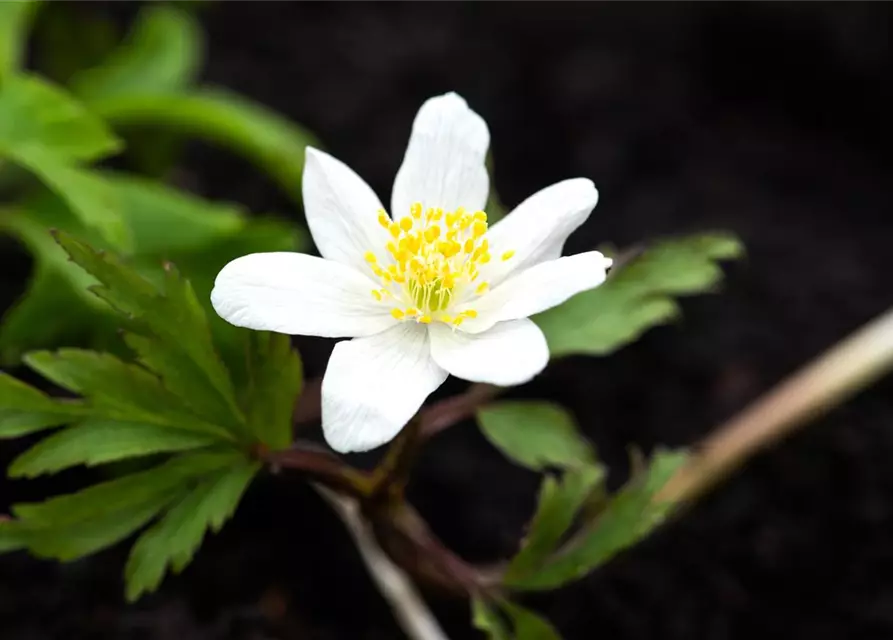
536 435
510 622
175 318
119 390
270 141
162 53
34 114
559 504
15 18
100 441
117 495
176 537
628 516
275 380
637 296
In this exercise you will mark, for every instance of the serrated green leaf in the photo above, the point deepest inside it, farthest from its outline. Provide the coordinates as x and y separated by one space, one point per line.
488 620
100 441
276 378
559 504
161 54
14 424
175 318
529 625
80 538
176 537
535 434
273 143
119 390
15 18
15 394
629 516
638 295
37 115
117 495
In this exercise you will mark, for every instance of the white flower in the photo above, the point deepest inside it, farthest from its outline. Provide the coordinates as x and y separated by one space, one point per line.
425 292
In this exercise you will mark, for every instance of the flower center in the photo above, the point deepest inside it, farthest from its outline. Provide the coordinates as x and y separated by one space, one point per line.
435 260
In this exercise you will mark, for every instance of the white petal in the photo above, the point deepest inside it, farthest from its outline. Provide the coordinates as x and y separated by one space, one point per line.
444 163
298 294
373 386
510 353
538 227
536 289
342 211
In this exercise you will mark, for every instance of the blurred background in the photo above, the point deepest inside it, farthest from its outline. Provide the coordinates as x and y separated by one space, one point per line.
771 120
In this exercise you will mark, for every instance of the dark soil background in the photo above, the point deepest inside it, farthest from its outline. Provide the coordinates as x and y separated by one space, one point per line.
771 120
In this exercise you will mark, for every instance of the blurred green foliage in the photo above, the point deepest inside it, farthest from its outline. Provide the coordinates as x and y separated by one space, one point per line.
147 81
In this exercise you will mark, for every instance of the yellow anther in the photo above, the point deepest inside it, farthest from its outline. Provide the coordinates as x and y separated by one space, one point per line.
412 311
406 223
446 318
508 255
485 244
377 270
448 282
397 314
469 245
392 248
465 222
426 319
400 278
438 214
370 257
484 258
451 217
416 210
480 215
482 287
432 233
479 228
383 218
386 276
458 321
470 313
394 228
376 294
429 214
392 269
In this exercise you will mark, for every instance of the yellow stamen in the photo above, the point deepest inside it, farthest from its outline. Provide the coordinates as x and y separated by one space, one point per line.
383 218
412 312
370 257
425 319
482 287
406 223
376 294
394 228
470 313
508 255
397 314
416 210
479 228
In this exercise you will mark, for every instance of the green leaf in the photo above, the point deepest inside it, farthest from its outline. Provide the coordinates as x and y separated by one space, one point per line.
88 196
99 441
275 382
151 210
528 625
270 141
26 410
638 295
11 538
628 517
83 537
175 538
14 424
119 390
559 504
15 18
535 434
15 394
161 54
175 318
488 620
114 496
35 115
